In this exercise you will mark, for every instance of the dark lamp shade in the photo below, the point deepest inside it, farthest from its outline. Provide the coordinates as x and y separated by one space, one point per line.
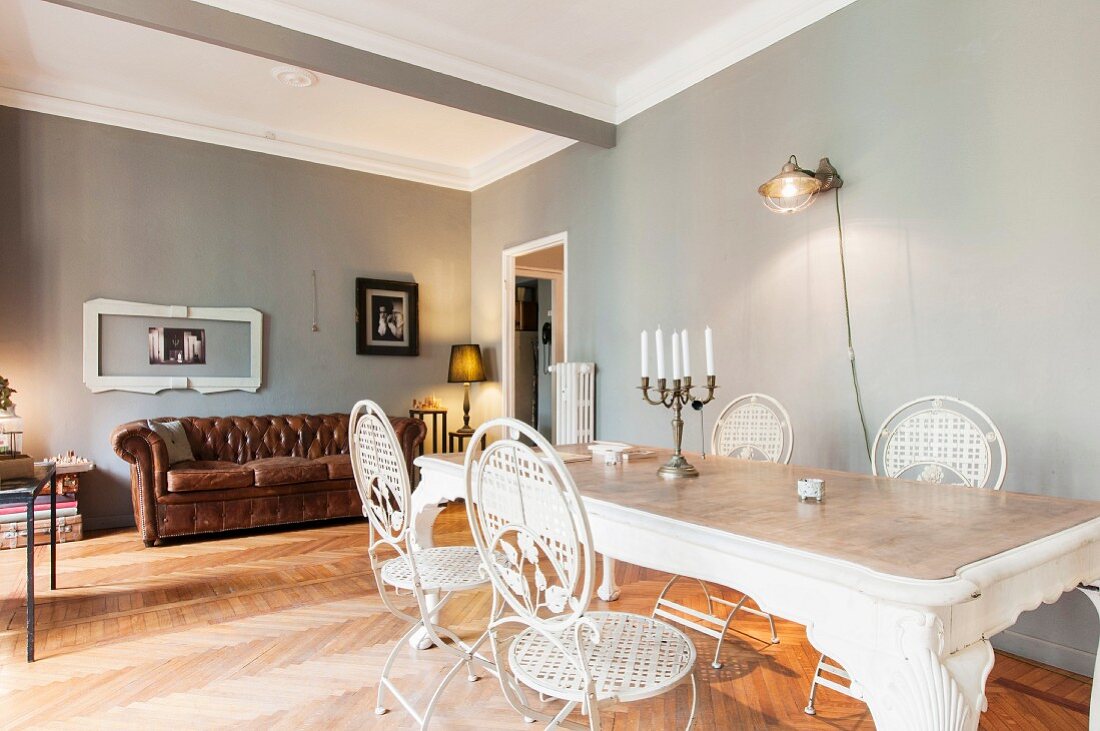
466 365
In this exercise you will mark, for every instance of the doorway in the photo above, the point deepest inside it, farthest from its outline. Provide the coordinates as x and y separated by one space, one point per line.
534 328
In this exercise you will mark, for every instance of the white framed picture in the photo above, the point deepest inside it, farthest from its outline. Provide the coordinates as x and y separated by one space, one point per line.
179 349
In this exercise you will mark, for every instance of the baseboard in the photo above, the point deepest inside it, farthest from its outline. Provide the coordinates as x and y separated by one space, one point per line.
105 522
1046 652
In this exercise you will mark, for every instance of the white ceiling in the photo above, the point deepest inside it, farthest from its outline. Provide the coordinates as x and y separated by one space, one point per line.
608 59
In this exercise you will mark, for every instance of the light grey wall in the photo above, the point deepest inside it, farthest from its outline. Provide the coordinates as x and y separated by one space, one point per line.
93 211
966 131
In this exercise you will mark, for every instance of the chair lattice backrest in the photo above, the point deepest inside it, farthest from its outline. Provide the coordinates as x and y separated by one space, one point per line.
941 439
754 426
523 503
380 472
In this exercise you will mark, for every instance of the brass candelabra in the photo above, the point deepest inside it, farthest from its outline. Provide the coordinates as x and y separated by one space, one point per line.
676 398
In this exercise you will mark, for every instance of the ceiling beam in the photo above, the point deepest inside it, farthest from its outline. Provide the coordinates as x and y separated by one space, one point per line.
267 40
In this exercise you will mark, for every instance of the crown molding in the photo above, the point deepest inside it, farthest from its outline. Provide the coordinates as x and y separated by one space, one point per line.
720 47
591 102
363 160
516 158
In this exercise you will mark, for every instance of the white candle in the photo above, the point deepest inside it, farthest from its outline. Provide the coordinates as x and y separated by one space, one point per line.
645 355
660 354
687 354
675 356
709 337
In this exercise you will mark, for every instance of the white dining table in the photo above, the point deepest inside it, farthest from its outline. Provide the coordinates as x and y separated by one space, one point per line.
902 583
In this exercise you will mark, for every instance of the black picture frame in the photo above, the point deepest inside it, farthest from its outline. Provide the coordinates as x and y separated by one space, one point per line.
387 317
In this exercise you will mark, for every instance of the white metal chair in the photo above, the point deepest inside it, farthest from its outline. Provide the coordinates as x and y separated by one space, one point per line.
938 439
752 427
522 502
383 483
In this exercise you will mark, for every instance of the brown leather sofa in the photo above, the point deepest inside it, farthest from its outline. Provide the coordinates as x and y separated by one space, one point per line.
248 471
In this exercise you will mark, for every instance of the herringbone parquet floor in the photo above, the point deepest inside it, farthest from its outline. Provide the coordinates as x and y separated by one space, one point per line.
284 630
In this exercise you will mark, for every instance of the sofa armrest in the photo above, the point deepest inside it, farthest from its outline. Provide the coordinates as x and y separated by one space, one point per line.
410 435
147 454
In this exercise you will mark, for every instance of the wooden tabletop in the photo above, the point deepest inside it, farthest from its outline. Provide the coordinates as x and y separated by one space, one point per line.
909 529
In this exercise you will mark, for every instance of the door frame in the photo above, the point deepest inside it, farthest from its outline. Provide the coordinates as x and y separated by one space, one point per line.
508 310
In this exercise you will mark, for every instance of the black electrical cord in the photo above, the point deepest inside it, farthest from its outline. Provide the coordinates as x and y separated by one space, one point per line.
848 322
698 406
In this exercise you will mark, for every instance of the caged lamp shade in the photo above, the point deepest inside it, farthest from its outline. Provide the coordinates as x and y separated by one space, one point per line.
791 190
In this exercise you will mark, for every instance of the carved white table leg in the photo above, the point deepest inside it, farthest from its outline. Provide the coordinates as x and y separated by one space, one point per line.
913 686
423 523
1093 593
424 516
608 589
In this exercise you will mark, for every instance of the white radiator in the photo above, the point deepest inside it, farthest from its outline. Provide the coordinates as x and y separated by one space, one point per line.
574 393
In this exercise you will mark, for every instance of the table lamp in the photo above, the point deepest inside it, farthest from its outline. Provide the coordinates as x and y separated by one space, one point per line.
466 368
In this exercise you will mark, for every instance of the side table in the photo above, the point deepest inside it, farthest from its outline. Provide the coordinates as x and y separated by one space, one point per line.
436 432
460 437
26 490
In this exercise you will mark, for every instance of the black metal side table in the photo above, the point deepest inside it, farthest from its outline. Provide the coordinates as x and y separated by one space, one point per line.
26 490
436 432
460 437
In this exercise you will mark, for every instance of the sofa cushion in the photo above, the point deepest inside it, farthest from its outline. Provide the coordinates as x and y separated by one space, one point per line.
339 466
287 470
175 440
193 476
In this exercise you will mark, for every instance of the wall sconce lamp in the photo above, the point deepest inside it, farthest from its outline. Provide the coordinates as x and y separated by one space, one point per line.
795 188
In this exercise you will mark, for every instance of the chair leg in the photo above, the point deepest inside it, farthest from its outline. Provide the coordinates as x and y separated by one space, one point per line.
694 701
674 611
380 708
839 677
593 715
725 628
439 692
710 611
673 580
771 623
758 612
561 715
809 709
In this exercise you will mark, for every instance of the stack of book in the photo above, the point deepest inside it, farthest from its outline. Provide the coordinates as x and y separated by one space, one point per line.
14 523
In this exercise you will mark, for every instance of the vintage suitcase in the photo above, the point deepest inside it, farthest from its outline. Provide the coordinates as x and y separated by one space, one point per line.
14 535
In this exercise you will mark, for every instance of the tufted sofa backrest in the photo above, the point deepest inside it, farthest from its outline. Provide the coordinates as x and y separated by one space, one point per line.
241 439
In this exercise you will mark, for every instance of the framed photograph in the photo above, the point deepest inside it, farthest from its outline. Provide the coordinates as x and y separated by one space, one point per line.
386 317
177 346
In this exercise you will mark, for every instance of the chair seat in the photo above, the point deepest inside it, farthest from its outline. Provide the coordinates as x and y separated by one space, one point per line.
446 568
637 657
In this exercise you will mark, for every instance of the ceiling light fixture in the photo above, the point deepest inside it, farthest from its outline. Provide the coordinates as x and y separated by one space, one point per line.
794 188
299 78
